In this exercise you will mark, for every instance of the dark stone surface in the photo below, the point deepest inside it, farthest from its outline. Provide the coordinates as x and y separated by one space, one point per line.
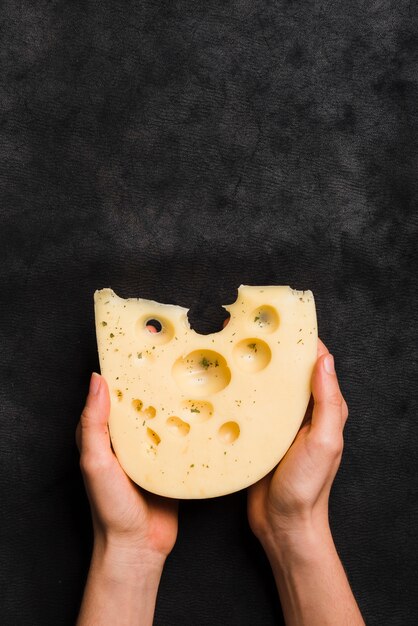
174 150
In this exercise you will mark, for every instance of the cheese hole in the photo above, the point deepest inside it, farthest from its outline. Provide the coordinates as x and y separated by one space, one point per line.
153 326
197 410
252 355
137 405
265 318
177 426
207 317
226 322
153 437
149 412
153 332
201 373
229 432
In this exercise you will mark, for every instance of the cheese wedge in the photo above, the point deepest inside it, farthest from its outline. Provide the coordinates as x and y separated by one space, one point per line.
199 416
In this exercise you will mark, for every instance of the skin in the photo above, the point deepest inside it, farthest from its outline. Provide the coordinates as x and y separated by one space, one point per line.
297 491
134 530
288 512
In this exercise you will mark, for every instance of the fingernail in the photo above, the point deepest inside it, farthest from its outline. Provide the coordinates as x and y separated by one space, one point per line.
94 384
329 364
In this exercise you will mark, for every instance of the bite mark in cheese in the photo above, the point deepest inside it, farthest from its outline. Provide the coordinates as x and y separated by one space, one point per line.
199 416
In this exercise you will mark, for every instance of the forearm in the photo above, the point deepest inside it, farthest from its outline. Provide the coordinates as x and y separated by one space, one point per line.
311 581
121 589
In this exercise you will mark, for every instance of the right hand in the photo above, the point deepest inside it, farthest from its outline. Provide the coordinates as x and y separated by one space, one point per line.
293 498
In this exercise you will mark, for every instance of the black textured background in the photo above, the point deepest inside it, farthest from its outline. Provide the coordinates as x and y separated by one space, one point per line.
173 150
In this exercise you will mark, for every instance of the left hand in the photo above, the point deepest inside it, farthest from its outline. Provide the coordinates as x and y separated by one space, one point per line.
124 516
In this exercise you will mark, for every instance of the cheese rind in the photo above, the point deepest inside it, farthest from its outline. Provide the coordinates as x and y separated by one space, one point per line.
199 416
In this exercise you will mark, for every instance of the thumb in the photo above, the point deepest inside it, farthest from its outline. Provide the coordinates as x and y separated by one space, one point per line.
93 435
327 414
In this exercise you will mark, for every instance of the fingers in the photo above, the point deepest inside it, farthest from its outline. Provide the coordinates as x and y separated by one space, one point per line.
328 415
322 349
92 432
345 412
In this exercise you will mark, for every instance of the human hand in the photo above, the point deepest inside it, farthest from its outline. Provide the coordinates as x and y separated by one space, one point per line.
134 530
293 498
124 516
288 512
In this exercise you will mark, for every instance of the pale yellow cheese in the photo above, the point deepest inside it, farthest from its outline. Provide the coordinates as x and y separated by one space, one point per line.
198 416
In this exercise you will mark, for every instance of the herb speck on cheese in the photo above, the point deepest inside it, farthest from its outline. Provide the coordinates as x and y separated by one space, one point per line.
204 363
139 355
111 335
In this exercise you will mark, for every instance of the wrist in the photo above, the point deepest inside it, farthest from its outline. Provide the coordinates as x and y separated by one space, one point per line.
122 585
122 559
310 578
297 543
